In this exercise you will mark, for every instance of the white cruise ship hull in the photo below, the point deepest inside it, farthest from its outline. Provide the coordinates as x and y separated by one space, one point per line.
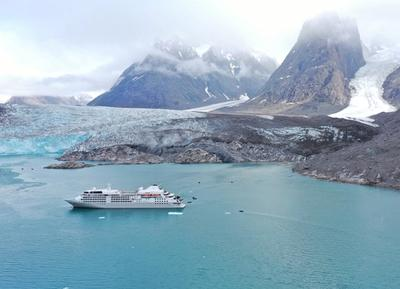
130 205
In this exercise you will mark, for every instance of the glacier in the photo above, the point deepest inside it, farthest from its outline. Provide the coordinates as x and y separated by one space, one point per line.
152 135
219 105
30 130
366 88
54 144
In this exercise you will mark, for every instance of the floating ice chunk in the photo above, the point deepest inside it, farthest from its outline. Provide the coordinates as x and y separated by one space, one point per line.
175 213
102 218
227 213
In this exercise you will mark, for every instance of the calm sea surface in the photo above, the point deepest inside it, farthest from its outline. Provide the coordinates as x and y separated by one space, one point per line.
295 232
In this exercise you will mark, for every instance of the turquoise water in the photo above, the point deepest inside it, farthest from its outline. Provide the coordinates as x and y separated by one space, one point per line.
295 232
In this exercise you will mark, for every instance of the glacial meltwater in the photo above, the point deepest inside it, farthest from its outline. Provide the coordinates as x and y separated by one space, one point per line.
293 231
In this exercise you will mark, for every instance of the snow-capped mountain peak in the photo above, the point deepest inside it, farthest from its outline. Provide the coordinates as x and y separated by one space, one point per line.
177 75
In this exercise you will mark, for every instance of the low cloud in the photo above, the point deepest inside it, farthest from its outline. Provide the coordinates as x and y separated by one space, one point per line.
197 67
75 46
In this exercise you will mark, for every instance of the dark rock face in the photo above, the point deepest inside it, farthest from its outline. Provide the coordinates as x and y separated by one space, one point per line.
2 110
3 113
69 165
174 76
232 138
196 155
374 162
248 72
317 70
391 88
116 154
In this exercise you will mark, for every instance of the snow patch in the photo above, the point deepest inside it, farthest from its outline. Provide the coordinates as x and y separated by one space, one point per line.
270 117
137 77
365 120
200 50
212 107
210 95
233 68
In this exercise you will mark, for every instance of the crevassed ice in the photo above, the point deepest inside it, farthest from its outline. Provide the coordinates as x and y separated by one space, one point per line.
366 97
39 145
53 129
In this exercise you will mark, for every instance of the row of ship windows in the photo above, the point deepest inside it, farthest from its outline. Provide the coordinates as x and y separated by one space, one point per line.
125 199
112 199
104 201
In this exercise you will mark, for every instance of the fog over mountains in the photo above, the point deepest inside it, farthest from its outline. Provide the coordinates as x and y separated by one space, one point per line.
328 71
315 75
176 75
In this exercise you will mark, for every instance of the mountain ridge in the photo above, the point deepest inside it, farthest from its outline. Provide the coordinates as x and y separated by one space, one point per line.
175 76
314 77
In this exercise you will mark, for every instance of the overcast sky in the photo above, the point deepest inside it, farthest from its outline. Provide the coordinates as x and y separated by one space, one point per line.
79 47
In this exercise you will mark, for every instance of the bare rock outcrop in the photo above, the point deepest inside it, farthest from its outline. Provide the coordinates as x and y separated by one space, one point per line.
196 155
69 165
391 88
374 162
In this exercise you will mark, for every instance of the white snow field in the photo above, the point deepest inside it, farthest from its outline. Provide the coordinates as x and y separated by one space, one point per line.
212 107
366 96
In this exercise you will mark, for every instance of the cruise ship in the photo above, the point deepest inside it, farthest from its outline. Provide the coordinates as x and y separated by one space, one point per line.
152 197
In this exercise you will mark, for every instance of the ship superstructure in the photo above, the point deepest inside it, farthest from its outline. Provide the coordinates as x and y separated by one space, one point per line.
151 197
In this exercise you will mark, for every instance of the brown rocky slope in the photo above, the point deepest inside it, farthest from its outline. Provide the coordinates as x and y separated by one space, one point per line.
374 162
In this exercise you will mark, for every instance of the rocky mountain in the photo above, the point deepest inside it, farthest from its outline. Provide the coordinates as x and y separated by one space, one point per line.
374 162
46 100
314 77
175 76
391 88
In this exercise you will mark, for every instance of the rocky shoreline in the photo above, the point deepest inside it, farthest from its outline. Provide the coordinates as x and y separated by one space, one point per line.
375 162
69 165
323 148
